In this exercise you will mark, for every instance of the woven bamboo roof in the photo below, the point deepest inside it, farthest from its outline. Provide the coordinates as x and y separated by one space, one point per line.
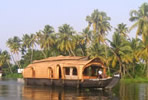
62 58
65 60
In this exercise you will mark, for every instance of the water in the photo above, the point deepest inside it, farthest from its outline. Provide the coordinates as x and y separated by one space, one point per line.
16 90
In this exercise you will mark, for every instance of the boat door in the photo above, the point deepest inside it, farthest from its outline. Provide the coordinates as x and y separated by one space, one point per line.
33 72
50 73
59 73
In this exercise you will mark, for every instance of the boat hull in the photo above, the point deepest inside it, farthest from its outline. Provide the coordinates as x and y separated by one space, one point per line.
87 83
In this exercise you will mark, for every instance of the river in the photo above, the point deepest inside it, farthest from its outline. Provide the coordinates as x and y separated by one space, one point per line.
13 89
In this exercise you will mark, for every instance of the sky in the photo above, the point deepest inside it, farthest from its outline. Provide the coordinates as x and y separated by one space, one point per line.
18 17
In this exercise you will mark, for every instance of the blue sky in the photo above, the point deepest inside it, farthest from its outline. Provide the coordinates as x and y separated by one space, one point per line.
18 17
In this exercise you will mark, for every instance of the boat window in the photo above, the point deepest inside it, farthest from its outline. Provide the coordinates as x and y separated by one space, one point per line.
91 70
67 71
74 71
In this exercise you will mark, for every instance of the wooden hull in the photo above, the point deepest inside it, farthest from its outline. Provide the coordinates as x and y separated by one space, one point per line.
87 83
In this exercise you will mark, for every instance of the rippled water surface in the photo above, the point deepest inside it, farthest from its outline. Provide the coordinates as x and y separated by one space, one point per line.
16 90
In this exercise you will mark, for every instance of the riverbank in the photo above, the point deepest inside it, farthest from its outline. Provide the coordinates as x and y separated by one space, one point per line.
126 80
135 80
14 75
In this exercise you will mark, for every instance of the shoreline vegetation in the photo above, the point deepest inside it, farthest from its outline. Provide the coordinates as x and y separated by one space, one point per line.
122 54
135 80
123 80
13 76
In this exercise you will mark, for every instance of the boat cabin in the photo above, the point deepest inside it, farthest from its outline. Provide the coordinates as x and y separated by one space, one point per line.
65 67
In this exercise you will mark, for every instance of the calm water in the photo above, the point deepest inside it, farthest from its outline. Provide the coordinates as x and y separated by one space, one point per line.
15 90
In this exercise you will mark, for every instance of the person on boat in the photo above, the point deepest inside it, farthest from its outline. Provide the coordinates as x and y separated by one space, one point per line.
100 73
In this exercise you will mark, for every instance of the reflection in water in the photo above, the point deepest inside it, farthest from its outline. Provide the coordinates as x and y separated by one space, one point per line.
38 93
143 91
133 91
10 90
14 90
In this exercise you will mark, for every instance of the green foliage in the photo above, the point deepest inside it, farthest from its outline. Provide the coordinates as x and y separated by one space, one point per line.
26 58
135 80
14 75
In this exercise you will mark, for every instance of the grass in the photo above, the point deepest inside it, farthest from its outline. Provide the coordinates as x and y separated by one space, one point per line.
135 80
14 75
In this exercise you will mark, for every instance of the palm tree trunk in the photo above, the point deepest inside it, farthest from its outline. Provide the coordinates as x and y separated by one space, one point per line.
121 66
43 53
147 68
13 59
124 70
18 62
72 52
133 69
82 50
127 71
120 70
32 55
9 67
120 62
69 52
106 55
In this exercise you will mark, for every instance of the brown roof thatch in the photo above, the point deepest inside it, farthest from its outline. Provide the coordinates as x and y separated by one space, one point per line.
62 58
65 60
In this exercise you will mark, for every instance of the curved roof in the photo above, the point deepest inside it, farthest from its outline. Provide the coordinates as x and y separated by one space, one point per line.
65 60
61 58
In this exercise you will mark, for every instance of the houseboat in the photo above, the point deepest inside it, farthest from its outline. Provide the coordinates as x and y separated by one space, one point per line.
68 71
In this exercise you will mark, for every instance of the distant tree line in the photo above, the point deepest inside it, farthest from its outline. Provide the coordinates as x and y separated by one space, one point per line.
123 54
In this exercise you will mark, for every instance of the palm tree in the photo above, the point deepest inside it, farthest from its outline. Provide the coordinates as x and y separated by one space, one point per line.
1 59
122 29
121 52
144 53
140 18
80 45
87 37
14 45
65 40
101 26
29 43
5 58
46 39
136 46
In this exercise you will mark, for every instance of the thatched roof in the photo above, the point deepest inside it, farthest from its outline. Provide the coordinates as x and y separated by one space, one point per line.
62 58
65 60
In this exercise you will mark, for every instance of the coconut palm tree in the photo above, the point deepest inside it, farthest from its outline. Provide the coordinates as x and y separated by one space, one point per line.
140 17
100 22
80 45
122 29
87 37
28 42
5 59
65 40
1 59
121 52
101 26
46 39
14 45
144 53
136 46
